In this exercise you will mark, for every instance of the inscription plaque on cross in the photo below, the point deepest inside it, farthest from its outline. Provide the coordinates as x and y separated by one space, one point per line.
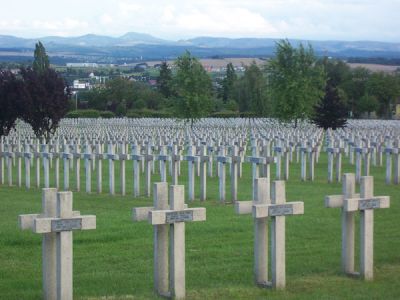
56 223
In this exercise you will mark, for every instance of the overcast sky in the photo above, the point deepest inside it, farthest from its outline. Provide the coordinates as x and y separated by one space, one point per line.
177 19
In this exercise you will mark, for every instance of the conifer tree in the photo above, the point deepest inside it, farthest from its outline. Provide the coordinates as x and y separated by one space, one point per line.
330 112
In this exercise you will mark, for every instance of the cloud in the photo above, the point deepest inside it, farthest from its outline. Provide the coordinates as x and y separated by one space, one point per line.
106 19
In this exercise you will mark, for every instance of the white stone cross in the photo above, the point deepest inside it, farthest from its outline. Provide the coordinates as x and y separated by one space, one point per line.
169 275
278 211
137 159
350 202
236 160
56 223
88 156
223 160
256 161
67 157
192 159
112 157
366 204
163 157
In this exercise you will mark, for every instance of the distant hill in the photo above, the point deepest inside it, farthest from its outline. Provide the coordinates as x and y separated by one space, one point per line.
134 46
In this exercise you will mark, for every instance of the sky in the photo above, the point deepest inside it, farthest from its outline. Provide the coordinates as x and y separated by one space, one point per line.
377 20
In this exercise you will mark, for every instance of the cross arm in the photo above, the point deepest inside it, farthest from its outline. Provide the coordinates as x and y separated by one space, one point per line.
274 210
142 213
27 221
376 202
47 225
244 207
159 217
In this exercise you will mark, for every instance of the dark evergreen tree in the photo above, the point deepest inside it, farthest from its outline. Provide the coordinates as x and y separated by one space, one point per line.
164 81
330 112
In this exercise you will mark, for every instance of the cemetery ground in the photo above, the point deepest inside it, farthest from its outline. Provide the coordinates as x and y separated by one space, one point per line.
116 259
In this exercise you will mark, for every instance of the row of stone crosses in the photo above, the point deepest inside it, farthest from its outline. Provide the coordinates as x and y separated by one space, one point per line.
203 149
169 214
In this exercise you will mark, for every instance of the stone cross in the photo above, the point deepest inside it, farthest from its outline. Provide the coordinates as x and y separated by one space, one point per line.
46 157
56 224
366 204
204 160
192 159
9 156
262 196
112 157
123 157
148 158
99 157
256 161
77 155
278 211
350 202
236 160
136 158
222 160
334 152
163 158
88 157
67 157
28 157
175 159
169 274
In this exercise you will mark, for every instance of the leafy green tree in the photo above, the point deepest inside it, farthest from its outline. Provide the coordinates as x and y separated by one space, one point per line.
330 112
41 60
12 91
355 88
295 81
368 104
228 83
250 91
193 88
164 81
386 88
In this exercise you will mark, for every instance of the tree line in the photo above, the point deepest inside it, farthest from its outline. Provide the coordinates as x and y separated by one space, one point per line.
293 85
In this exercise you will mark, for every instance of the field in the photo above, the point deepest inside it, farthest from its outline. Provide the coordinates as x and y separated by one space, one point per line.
115 261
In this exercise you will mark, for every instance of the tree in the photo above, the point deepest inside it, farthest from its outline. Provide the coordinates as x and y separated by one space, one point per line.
11 92
295 81
386 88
193 88
164 81
368 104
41 60
228 83
330 112
46 102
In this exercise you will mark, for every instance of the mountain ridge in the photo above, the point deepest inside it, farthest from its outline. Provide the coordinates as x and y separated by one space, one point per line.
134 45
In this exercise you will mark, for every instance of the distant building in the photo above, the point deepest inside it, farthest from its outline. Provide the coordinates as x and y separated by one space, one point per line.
82 65
79 85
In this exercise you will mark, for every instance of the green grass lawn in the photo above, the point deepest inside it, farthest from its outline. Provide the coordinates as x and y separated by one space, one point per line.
115 261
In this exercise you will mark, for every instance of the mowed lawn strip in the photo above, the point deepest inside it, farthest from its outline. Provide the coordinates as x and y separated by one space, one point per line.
116 259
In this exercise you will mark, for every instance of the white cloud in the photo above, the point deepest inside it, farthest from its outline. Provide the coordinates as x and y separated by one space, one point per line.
106 19
307 19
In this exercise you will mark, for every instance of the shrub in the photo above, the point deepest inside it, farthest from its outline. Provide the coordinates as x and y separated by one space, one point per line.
107 114
225 114
83 113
